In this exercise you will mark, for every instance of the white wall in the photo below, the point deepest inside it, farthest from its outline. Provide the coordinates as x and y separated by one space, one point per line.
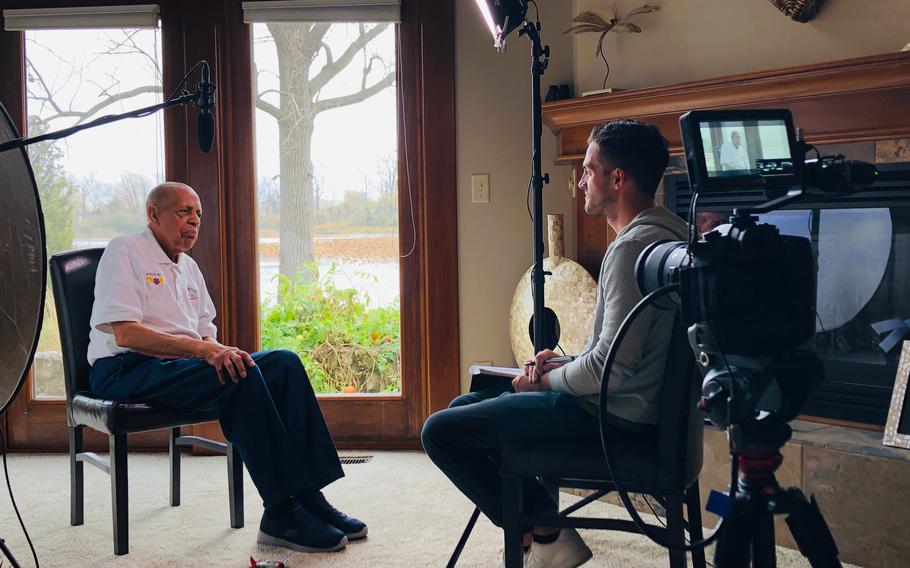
689 40
493 107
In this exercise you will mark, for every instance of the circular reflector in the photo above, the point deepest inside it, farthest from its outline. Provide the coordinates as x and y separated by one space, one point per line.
23 265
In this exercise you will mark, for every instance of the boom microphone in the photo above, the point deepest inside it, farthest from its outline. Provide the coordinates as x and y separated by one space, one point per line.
205 102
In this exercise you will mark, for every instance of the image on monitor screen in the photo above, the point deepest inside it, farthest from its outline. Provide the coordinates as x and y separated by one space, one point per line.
746 148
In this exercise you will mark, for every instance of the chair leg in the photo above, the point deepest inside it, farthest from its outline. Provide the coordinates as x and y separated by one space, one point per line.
119 493
464 538
511 509
693 513
675 530
235 485
77 482
174 453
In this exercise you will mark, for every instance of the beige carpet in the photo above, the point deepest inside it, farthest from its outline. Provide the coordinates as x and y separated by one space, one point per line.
415 517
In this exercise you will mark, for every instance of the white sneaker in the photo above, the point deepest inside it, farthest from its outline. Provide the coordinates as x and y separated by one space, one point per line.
568 551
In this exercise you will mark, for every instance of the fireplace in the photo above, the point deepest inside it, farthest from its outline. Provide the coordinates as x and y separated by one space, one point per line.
862 243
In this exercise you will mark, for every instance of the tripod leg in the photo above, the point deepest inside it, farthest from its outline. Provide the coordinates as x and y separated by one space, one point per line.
764 555
810 531
734 543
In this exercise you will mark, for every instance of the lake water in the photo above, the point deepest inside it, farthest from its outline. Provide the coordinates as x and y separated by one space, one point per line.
376 280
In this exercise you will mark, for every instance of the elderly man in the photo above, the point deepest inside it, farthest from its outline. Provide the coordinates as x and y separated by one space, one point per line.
152 339
733 155
550 402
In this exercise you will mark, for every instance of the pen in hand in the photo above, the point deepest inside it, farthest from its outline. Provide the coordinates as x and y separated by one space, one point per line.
562 359
534 373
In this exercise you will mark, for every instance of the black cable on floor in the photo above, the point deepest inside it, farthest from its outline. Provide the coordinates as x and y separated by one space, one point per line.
13 499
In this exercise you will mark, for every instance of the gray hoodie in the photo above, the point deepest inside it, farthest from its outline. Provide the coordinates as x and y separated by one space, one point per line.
637 373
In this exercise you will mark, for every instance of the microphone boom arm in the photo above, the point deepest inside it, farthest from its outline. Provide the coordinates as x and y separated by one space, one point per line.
21 142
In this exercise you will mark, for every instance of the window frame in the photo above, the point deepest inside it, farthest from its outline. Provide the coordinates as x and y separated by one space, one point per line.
225 180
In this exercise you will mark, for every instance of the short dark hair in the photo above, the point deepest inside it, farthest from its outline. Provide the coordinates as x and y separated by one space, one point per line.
636 147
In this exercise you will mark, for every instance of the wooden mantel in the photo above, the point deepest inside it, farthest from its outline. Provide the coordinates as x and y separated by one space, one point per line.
853 100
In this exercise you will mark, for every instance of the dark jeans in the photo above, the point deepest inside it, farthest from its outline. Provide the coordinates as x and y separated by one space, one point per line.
272 415
465 441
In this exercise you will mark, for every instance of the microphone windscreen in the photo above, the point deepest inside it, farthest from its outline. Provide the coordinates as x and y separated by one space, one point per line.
205 130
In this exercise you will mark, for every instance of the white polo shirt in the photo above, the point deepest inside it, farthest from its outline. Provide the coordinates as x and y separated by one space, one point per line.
136 281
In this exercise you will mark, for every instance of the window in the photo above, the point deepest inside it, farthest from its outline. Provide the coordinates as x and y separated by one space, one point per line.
92 184
327 167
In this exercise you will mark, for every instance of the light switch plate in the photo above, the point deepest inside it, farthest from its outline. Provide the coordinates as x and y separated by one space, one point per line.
480 188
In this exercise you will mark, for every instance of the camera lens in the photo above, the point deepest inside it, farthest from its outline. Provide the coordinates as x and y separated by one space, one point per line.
657 267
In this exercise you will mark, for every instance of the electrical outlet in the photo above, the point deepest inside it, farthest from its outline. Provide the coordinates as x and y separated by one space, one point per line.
480 188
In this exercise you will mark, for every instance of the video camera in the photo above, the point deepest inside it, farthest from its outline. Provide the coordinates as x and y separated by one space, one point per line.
747 293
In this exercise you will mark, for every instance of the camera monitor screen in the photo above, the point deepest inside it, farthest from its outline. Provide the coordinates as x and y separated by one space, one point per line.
738 149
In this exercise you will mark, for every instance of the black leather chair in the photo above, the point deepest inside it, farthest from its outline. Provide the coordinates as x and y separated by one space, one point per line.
73 277
668 473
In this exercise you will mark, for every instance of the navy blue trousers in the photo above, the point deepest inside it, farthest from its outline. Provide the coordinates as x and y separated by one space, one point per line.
465 440
272 415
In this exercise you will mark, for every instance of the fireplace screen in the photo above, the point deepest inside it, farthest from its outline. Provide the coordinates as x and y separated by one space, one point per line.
863 256
862 244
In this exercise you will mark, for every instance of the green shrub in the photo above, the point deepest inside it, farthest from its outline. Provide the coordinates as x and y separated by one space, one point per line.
342 341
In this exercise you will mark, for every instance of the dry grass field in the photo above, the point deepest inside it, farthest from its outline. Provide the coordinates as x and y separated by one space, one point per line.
379 248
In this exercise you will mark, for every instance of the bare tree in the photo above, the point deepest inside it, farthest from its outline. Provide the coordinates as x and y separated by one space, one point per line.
299 47
387 174
387 183
132 189
268 195
318 191
93 193
47 93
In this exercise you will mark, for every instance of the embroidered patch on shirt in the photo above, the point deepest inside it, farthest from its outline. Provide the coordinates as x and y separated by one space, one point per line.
192 293
154 277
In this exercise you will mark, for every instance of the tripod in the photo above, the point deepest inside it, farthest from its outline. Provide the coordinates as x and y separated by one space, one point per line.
732 394
748 532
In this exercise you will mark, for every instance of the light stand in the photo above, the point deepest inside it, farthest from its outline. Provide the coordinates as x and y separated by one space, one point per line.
539 58
502 17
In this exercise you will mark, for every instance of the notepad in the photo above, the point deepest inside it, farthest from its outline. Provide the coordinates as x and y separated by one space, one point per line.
510 372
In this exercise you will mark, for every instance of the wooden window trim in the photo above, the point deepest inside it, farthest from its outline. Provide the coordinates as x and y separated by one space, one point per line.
225 179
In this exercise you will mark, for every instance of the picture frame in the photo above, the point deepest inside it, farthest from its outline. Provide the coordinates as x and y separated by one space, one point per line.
897 427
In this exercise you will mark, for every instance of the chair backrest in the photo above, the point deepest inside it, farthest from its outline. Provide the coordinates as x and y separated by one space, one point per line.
681 425
73 278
